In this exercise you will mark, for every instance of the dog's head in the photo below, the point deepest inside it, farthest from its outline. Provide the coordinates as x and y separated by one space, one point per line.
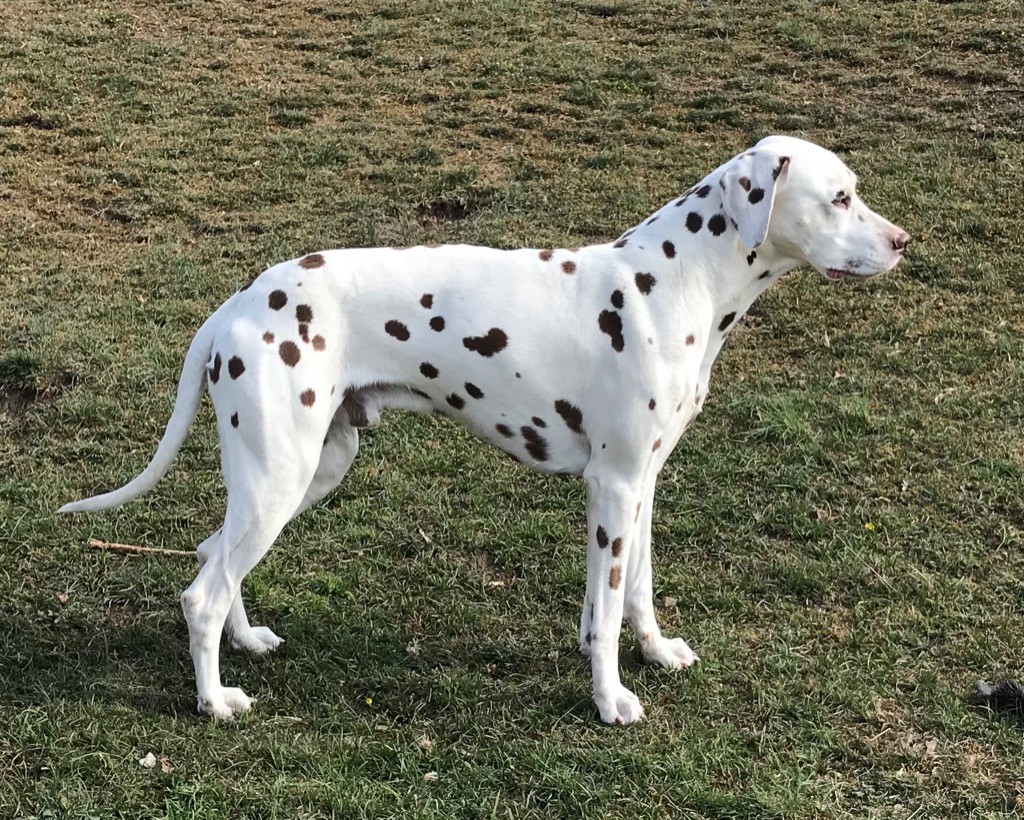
803 200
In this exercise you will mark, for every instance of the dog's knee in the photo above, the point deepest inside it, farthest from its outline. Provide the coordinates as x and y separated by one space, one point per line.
193 607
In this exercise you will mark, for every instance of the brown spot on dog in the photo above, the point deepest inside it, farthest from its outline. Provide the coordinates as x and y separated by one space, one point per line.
307 398
726 321
277 299
437 323
669 249
319 343
397 329
611 323
690 340
717 224
289 353
236 367
651 404
545 256
615 577
744 183
617 547
568 267
703 191
679 407
234 419
304 313
571 415
504 429
656 445
474 391
621 243
215 370
536 446
602 537
304 332
644 283
428 370
268 337
493 342
539 421
427 300
617 299
314 260
456 401
636 515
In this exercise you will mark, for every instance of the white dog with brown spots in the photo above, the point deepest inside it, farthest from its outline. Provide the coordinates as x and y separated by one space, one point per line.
589 361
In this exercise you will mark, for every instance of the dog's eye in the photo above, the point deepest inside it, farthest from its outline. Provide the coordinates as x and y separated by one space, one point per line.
842 200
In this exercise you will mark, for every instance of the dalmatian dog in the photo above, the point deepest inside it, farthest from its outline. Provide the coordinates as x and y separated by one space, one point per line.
590 361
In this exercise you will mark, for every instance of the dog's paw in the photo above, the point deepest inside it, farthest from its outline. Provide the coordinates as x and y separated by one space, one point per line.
620 707
258 639
672 653
228 704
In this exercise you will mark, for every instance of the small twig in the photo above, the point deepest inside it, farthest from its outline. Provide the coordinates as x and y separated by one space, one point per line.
132 548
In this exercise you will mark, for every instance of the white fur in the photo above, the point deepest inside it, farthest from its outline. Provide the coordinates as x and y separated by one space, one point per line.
549 384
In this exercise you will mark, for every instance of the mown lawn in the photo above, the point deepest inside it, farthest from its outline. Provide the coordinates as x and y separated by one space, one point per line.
839 535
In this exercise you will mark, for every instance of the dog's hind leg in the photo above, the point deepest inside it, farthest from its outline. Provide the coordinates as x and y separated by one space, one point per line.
340 448
339 451
263 494
673 653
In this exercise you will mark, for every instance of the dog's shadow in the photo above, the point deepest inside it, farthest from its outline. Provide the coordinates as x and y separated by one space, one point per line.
78 656
142 664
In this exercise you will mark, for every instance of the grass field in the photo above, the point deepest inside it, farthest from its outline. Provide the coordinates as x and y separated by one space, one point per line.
839 535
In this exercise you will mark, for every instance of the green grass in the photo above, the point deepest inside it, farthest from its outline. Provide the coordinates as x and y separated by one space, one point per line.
156 155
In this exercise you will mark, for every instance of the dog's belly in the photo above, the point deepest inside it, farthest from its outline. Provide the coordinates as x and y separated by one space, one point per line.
540 439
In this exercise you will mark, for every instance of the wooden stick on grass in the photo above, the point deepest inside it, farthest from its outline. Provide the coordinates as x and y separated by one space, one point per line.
132 548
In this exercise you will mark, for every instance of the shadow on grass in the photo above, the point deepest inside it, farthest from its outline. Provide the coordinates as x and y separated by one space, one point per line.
144 666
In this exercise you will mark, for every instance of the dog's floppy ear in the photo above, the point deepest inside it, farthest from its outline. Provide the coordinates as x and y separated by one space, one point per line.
748 192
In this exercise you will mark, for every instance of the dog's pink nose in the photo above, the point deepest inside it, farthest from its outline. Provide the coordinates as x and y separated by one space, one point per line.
900 241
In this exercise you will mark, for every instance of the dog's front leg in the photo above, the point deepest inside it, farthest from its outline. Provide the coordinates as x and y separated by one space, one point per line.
673 653
611 501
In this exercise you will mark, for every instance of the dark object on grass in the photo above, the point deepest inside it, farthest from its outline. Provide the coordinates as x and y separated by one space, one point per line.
1005 697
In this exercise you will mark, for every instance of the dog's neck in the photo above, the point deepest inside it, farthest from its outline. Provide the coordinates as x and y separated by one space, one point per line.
729 280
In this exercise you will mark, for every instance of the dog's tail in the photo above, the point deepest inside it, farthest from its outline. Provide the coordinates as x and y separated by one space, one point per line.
186 405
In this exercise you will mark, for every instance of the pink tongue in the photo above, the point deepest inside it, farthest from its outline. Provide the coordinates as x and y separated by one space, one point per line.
832 273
